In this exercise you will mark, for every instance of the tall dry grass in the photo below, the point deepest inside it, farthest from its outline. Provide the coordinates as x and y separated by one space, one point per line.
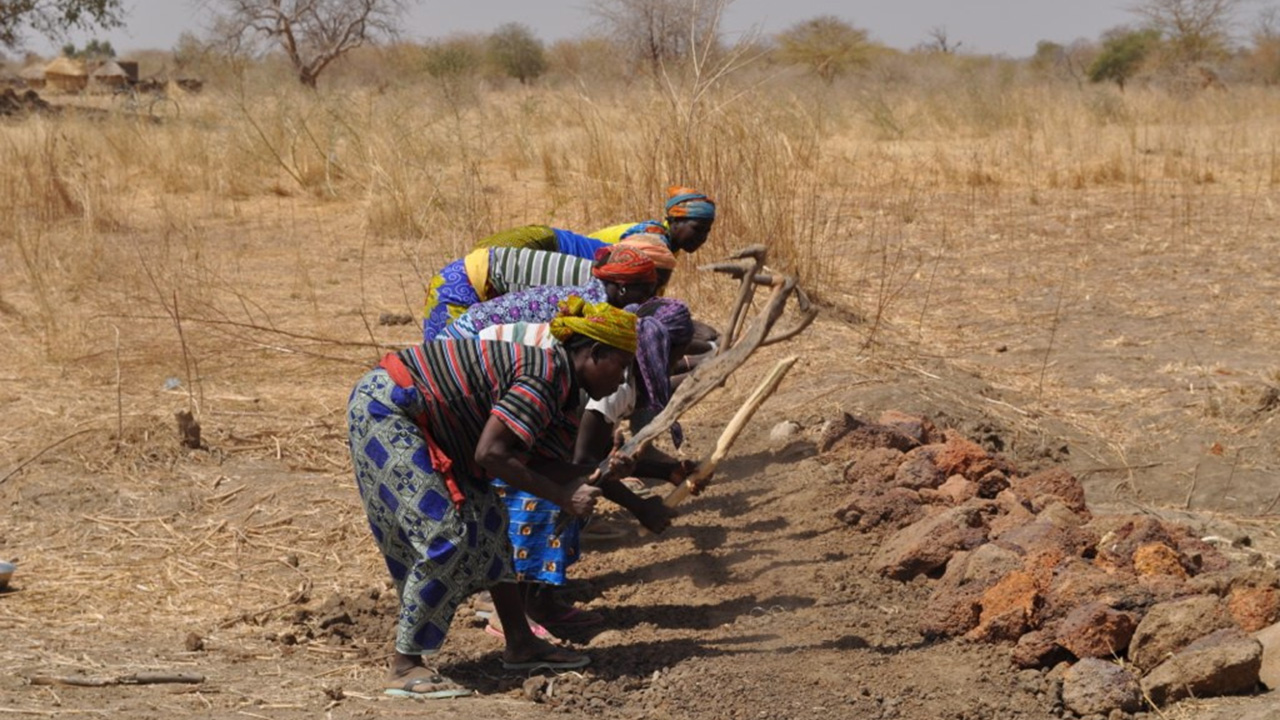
921 199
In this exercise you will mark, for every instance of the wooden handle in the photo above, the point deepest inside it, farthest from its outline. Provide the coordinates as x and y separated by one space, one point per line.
731 432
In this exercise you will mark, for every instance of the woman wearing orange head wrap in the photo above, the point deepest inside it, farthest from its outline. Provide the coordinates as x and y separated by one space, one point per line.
620 276
656 248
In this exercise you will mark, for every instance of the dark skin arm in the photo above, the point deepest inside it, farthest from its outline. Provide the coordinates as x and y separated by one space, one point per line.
595 441
499 452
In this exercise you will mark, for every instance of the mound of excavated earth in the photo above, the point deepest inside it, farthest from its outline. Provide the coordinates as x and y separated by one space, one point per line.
1133 610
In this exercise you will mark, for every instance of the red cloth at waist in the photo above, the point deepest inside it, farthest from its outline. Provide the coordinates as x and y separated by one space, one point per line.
441 463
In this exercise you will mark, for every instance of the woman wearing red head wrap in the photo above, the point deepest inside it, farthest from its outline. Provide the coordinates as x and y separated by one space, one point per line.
620 276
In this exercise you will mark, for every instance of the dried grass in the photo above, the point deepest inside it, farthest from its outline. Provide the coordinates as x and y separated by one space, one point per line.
1113 246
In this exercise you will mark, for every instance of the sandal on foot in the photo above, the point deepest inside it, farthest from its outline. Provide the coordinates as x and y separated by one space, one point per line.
575 617
553 659
637 487
427 685
484 607
538 630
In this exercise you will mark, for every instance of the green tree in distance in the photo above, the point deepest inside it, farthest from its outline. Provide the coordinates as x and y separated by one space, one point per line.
1123 53
826 44
515 50
93 50
53 18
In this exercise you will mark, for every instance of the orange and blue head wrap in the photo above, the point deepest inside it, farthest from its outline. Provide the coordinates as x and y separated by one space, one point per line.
656 228
685 202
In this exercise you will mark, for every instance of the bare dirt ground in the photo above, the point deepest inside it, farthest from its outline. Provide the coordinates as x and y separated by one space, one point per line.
1136 353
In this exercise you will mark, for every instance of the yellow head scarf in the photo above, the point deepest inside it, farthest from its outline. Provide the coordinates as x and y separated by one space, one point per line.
599 321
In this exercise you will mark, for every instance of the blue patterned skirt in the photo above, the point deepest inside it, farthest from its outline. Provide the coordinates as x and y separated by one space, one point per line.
540 555
438 553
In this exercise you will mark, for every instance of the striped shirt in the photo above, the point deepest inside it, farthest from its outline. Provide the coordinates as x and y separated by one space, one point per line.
465 382
614 408
515 269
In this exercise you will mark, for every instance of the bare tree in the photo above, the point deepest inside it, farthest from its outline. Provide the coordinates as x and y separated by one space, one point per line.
939 42
657 32
1197 30
312 33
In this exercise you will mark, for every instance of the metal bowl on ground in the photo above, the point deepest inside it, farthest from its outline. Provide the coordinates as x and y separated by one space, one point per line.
6 572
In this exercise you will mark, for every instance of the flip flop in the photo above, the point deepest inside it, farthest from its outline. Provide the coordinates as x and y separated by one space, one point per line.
537 629
545 662
484 606
638 487
576 617
422 687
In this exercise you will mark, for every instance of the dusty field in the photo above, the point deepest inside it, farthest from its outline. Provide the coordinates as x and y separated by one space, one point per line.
1126 332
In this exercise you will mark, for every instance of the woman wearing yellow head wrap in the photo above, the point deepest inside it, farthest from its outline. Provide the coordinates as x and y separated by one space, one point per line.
601 322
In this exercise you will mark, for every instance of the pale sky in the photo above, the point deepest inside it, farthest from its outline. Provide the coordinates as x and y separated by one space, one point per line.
1010 27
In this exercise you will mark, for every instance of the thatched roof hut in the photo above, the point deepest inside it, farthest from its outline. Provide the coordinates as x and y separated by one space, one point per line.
110 74
32 75
66 75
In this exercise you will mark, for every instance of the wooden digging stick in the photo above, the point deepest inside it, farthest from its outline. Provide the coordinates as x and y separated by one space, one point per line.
731 432
705 378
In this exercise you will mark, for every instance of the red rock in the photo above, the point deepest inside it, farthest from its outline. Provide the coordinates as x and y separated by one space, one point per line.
919 429
874 469
1097 631
927 545
893 509
957 489
1054 483
1254 608
1039 649
919 469
1010 608
1158 559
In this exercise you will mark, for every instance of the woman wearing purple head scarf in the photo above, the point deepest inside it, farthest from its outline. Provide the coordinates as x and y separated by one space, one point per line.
664 330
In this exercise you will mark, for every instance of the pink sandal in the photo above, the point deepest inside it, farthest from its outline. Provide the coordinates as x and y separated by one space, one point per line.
576 617
537 629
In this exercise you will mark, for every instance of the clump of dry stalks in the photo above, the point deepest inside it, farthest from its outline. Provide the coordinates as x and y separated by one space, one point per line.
234 263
